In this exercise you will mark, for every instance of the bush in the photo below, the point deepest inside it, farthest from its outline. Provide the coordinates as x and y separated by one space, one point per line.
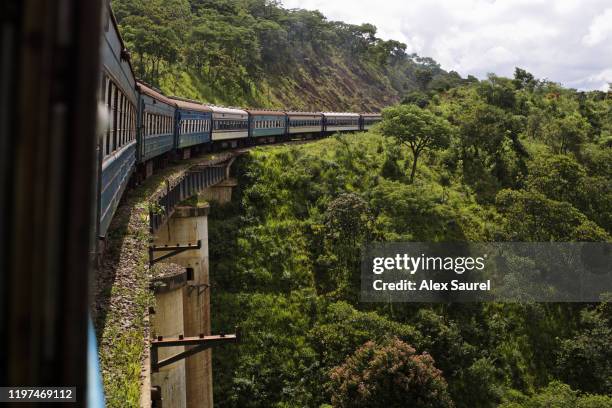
389 375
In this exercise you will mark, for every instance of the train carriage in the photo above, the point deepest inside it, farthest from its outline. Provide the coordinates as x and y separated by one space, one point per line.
367 120
142 124
267 125
340 121
118 100
305 122
230 125
156 123
193 123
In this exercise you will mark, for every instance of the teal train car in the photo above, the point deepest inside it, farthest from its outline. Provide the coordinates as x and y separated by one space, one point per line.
155 124
118 108
305 122
193 124
267 125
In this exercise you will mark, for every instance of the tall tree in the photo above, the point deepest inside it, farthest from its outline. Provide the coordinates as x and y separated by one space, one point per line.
417 128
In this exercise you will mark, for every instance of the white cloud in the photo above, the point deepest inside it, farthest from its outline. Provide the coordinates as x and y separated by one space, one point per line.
568 41
600 29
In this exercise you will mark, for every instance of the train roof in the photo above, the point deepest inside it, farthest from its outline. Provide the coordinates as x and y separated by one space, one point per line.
124 49
223 109
187 104
345 114
298 113
265 112
371 114
154 93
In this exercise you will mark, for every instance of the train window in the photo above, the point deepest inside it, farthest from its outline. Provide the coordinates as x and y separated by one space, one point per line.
108 112
123 115
115 118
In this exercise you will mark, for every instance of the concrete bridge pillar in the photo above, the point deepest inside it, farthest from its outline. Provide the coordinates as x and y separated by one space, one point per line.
220 192
171 379
187 226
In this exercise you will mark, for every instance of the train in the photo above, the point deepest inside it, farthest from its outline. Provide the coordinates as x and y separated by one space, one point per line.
143 128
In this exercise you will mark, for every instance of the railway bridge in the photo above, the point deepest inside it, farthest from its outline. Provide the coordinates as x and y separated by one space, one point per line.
176 330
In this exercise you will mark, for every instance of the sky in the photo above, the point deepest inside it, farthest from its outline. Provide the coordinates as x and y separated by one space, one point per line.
566 41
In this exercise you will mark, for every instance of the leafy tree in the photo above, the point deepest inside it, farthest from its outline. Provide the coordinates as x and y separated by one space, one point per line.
347 228
418 98
498 91
558 395
417 128
423 77
524 79
530 216
566 134
585 360
559 177
389 374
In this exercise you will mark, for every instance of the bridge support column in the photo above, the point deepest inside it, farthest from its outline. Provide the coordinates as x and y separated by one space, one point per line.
187 226
221 192
167 322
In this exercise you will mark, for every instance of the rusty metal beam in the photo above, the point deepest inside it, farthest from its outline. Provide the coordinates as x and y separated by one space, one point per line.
197 344
174 250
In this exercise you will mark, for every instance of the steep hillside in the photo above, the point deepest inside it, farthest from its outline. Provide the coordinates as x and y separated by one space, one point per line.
255 53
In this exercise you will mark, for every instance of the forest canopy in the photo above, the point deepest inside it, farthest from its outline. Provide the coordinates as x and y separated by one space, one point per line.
523 160
254 52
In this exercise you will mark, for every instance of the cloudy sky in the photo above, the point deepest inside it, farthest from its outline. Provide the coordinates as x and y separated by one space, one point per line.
567 41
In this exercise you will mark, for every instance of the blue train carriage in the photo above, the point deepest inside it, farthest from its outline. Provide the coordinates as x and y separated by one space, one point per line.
305 123
267 126
367 120
193 124
118 103
340 122
156 128
230 127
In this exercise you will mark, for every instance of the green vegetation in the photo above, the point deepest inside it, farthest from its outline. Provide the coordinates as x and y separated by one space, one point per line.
462 160
364 380
255 53
285 256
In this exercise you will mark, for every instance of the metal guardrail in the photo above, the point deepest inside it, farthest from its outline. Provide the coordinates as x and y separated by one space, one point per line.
193 182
